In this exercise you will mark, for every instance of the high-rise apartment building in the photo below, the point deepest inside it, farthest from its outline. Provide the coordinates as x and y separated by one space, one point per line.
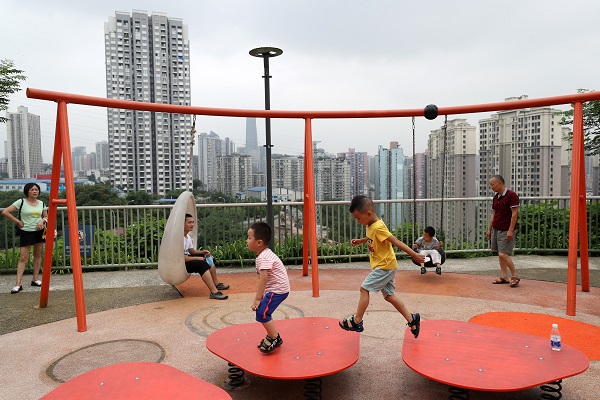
234 174
288 172
451 165
210 148
148 59
359 171
389 182
102 156
332 179
24 144
525 146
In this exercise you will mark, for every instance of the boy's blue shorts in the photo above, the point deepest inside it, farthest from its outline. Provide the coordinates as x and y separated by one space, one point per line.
268 304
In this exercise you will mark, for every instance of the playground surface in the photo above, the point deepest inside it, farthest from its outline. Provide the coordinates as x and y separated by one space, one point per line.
133 317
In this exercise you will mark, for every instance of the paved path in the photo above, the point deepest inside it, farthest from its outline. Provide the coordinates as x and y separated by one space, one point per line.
37 359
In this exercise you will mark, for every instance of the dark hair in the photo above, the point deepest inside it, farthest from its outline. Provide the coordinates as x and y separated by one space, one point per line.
499 178
262 231
188 216
361 203
28 187
430 230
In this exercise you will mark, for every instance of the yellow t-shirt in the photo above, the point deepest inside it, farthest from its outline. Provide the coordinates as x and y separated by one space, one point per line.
381 251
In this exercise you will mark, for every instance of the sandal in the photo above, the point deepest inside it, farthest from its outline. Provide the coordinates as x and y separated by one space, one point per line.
269 344
350 325
16 289
37 283
416 322
514 281
500 280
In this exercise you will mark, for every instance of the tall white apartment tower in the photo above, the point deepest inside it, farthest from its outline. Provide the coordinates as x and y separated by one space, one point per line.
451 164
24 144
389 182
148 59
525 147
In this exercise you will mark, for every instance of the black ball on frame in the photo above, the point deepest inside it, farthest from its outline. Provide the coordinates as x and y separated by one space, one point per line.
431 111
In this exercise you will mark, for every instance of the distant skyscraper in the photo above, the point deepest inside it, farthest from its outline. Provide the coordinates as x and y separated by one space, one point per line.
210 148
102 156
359 171
235 174
24 143
332 179
148 59
389 183
251 135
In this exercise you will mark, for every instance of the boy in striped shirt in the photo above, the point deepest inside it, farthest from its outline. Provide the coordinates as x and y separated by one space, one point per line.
273 285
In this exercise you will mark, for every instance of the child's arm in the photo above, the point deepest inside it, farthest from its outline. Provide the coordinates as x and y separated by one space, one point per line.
260 291
439 246
420 258
356 242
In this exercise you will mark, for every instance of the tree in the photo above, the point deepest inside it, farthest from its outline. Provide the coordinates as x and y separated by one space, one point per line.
96 195
139 198
10 78
591 124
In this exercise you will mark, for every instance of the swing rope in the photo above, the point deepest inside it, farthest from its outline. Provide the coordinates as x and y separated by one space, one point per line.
191 163
444 171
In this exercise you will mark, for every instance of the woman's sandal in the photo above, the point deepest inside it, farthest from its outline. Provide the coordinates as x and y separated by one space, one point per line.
500 280
350 325
514 281
416 322
16 289
269 344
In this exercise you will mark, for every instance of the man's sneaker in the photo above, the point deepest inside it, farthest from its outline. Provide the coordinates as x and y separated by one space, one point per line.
438 270
222 286
218 296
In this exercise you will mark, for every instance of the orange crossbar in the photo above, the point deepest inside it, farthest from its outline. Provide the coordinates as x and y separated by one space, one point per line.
578 204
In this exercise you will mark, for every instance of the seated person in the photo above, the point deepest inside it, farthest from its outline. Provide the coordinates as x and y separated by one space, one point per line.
428 245
201 261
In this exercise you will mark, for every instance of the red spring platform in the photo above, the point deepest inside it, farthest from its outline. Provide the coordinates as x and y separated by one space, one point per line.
473 356
137 380
312 347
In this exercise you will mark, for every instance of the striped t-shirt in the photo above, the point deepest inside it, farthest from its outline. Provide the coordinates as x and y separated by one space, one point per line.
277 280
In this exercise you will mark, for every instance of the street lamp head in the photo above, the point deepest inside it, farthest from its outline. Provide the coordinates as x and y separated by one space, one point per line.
266 52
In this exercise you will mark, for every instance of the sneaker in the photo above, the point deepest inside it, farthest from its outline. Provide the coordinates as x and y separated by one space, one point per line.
16 289
438 270
222 286
218 296
37 283
423 270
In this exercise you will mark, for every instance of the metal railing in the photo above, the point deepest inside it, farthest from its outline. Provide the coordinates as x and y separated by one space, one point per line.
129 236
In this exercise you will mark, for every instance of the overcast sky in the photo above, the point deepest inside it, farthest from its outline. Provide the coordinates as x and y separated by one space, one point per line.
337 55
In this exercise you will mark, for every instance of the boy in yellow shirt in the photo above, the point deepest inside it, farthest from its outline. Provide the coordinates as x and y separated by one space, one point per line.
383 265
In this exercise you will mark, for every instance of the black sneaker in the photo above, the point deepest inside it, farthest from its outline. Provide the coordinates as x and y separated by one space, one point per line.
218 296
438 270
423 270
222 286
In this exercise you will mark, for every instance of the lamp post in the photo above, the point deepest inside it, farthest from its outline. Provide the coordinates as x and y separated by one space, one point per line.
265 53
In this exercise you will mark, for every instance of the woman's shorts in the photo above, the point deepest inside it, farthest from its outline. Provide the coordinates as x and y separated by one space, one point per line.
380 280
499 243
30 238
197 266
268 304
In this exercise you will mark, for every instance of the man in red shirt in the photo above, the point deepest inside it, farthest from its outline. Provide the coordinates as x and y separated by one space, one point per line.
501 232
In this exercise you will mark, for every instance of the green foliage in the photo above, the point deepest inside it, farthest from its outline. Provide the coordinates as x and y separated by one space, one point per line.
96 195
543 226
139 198
591 124
10 82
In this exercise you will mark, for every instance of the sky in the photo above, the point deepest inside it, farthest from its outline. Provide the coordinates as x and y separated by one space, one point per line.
337 55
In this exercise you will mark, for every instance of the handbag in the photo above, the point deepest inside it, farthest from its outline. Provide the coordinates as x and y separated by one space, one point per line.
17 229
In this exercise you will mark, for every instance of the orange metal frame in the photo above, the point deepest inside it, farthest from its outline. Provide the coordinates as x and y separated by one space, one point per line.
62 152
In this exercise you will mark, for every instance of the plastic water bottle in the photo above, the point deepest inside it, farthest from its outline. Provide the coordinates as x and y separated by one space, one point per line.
555 338
211 261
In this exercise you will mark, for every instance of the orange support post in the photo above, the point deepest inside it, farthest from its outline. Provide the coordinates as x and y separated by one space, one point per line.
310 217
583 226
576 207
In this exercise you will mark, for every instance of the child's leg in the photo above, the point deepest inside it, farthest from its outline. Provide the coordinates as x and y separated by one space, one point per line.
399 305
270 328
363 303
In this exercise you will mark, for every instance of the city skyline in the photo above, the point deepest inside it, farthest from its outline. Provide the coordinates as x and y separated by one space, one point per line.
392 59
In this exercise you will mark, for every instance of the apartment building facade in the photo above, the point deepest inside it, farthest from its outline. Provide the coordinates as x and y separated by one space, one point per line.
24 144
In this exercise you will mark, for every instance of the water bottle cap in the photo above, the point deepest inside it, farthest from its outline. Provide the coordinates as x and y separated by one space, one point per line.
555 325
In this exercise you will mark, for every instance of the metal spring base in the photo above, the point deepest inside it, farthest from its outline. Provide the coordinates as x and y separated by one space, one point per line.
551 390
237 379
313 388
457 393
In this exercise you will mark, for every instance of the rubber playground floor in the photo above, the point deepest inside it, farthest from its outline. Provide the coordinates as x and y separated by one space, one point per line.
134 316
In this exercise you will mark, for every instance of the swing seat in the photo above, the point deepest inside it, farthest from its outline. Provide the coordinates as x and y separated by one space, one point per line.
429 263
171 262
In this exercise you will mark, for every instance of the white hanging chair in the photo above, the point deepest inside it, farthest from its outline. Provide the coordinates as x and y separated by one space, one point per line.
171 262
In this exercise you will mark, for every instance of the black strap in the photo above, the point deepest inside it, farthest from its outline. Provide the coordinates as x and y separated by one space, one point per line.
22 200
